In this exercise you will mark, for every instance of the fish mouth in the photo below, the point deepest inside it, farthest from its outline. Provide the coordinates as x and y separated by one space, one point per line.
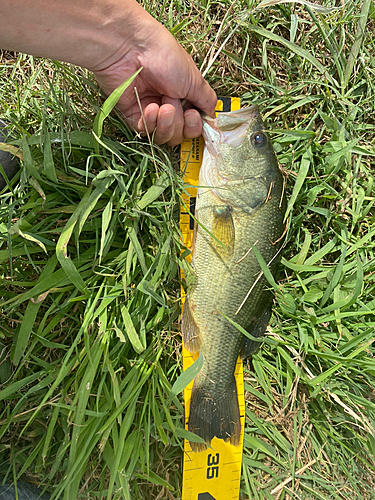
229 127
226 121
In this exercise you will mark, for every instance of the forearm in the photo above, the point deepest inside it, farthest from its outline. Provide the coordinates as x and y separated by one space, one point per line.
90 34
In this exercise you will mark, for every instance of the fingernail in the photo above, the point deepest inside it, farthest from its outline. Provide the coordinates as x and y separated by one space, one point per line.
153 115
191 120
167 119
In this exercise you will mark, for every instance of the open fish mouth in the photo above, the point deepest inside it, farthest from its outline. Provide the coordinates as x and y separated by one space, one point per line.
229 128
233 119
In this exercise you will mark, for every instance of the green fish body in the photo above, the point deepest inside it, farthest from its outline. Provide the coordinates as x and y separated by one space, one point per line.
240 205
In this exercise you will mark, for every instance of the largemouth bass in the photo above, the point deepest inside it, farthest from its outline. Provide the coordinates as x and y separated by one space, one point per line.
240 206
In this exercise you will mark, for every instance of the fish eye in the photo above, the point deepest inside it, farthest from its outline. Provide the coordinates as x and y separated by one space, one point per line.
259 139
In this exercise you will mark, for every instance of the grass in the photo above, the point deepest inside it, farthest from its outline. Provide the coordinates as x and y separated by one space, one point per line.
90 250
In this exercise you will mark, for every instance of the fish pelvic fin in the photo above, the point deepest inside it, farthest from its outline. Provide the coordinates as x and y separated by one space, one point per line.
256 328
190 330
248 347
209 418
223 231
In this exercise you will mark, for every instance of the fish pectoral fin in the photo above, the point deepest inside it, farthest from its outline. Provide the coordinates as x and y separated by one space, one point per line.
190 330
223 231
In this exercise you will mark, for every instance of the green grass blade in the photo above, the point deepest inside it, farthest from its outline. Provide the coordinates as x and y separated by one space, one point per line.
155 191
302 173
356 47
62 246
131 331
186 377
110 103
48 163
296 49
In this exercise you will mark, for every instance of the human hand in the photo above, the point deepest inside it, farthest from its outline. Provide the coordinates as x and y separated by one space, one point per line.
169 76
114 38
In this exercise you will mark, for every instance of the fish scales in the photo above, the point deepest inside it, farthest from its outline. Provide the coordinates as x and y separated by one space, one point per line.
240 205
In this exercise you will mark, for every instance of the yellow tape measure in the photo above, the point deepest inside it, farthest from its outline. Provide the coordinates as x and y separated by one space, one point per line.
213 474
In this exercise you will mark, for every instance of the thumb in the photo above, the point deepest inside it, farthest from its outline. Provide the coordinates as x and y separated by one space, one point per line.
201 95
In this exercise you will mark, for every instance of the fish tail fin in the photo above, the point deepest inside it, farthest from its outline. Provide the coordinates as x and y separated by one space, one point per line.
210 418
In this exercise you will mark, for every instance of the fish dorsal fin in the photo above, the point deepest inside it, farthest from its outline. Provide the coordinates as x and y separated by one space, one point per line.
190 330
223 231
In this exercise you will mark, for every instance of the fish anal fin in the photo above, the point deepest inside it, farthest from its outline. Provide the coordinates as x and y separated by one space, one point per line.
190 330
223 231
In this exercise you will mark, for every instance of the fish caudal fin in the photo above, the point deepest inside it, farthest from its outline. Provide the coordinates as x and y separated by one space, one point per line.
209 418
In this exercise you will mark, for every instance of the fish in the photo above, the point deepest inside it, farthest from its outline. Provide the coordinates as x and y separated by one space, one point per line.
239 212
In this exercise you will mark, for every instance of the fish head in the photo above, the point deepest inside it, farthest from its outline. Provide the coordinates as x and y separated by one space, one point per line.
237 144
237 151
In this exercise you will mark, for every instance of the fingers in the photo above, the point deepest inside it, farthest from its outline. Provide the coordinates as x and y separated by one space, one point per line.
147 122
168 124
193 124
169 129
161 124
